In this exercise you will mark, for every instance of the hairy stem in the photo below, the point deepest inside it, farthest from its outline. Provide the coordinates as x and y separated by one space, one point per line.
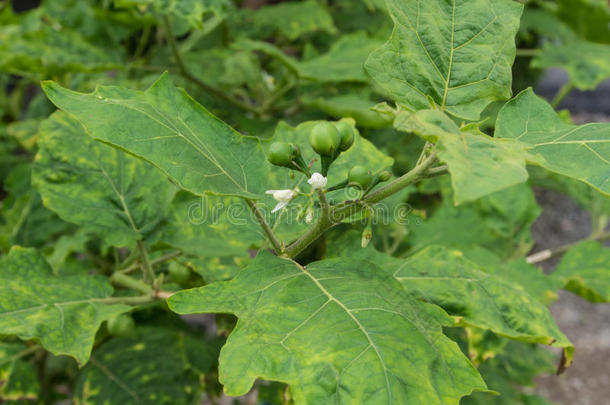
189 76
547 254
137 300
277 244
337 213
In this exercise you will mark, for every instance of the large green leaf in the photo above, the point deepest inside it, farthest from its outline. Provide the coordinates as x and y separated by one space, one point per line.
479 165
581 152
472 296
499 222
347 333
168 128
18 379
154 366
211 226
585 270
63 313
104 190
290 20
456 53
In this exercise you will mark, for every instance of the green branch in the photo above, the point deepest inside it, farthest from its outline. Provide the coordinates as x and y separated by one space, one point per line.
161 259
338 213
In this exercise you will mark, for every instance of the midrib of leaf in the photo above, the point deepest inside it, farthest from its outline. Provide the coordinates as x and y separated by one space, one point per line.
120 195
446 91
356 321
55 304
115 380
175 130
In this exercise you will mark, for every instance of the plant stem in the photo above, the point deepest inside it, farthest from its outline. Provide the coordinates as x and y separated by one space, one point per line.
277 244
137 300
189 76
153 262
547 254
149 274
337 213
124 280
562 93
528 52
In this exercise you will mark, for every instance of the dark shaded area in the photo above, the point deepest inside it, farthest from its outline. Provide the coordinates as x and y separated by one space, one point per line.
24 5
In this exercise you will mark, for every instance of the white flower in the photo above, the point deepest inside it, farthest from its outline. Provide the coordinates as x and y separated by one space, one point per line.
317 181
283 197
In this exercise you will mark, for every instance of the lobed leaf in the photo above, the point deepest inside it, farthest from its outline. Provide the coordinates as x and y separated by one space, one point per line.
472 296
166 127
578 151
457 54
64 313
347 333
104 190
495 164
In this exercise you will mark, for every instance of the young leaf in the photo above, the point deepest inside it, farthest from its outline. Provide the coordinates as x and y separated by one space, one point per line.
102 189
578 151
346 333
479 165
458 53
166 127
63 313
155 366
585 270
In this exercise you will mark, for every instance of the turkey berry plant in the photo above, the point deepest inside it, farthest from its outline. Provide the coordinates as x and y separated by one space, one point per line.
248 180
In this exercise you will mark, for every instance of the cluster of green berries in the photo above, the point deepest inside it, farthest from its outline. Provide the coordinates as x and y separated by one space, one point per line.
329 140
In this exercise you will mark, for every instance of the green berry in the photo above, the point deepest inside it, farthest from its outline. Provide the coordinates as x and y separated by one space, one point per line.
280 154
121 326
347 135
179 274
325 139
360 176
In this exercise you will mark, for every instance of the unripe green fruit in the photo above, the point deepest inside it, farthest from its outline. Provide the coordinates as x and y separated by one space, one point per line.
179 274
281 153
121 326
347 135
360 176
325 139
